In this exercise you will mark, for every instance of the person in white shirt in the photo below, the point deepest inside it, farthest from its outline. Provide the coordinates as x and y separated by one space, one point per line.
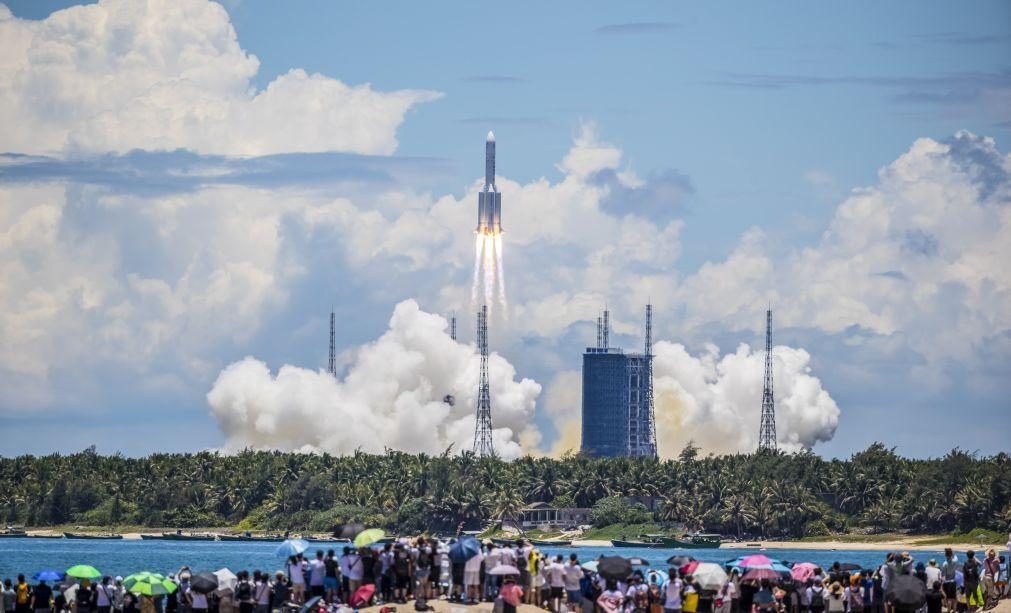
317 572
491 560
297 580
472 578
573 575
555 572
933 572
672 592
356 570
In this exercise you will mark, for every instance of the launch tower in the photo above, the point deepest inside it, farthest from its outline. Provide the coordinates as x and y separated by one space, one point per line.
482 431
767 430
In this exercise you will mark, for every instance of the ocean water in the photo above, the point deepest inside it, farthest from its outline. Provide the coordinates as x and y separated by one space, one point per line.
122 557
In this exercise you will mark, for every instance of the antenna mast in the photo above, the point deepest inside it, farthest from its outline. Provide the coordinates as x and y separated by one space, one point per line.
332 364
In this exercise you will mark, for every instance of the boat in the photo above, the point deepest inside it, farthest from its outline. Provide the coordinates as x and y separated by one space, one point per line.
645 544
544 543
11 532
693 541
92 537
178 536
44 536
330 539
250 537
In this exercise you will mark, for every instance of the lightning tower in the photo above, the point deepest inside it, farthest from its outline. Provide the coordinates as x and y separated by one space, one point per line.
332 364
767 431
483 446
649 445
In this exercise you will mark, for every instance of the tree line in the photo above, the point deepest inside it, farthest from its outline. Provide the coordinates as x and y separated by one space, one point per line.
768 493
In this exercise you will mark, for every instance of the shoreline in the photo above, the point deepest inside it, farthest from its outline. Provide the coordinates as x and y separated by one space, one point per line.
908 544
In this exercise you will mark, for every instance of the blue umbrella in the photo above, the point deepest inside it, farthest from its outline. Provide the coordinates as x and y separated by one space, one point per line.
464 549
49 575
291 547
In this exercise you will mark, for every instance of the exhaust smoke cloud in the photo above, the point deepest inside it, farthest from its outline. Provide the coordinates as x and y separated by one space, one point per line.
391 397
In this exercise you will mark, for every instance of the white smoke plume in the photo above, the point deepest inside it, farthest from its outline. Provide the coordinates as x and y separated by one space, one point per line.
714 402
391 397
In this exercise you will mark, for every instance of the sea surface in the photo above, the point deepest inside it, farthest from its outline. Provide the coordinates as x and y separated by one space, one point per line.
122 557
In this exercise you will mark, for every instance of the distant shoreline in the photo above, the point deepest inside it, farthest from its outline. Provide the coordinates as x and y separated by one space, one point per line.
915 543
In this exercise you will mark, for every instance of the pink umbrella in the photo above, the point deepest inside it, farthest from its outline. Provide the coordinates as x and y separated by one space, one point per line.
755 560
759 574
689 567
802 572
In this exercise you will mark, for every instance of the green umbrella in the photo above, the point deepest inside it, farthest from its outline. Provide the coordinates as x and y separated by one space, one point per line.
83 571
149 584
367 537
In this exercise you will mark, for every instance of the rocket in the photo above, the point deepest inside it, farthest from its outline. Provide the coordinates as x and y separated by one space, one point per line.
489 201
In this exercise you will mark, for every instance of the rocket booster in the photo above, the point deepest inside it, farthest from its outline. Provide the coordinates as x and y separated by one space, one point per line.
489 201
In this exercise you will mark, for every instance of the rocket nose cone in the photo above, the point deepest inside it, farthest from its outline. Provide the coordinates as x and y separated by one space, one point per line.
491 137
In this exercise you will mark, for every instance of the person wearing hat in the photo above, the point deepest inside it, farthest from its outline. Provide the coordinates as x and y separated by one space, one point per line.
836 601
933 572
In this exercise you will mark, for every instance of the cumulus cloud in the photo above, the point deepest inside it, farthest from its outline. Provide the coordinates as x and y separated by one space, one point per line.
919 255
391 396
167 74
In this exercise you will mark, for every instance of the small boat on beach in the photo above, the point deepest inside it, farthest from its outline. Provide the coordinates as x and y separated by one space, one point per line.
549 543
252 538
92 537
693 541
10 532
178 536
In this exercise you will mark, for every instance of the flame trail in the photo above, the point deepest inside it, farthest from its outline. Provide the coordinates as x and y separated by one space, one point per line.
489 271
500 270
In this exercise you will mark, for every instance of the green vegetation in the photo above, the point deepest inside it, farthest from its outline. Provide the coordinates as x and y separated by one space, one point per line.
762 494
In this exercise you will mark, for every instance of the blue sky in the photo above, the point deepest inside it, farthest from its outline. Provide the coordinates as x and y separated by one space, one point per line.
734 119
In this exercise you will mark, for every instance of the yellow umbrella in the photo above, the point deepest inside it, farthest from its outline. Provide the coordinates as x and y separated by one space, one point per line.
367 537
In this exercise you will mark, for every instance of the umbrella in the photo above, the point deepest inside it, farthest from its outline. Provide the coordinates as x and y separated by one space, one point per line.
464 549
615 568
49 575
149 584
204 583
506 569
362 596
906 590
638 562
689 567
291 547
590 566
679 560
83 571
226 579
754 560
367 537
758 574
310 605
710 576
802 572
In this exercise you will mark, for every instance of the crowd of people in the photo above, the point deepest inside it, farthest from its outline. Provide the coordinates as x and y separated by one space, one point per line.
422 570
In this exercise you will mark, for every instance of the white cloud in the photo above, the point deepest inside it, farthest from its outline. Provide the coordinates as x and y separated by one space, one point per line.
168 74
391 396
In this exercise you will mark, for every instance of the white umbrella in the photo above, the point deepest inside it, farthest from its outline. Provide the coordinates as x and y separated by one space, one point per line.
710 576
590 566
226 579
504 569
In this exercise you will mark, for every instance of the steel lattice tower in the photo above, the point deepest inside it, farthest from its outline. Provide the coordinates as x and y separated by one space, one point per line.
649 449
483 446
332 364
767 432
452 327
